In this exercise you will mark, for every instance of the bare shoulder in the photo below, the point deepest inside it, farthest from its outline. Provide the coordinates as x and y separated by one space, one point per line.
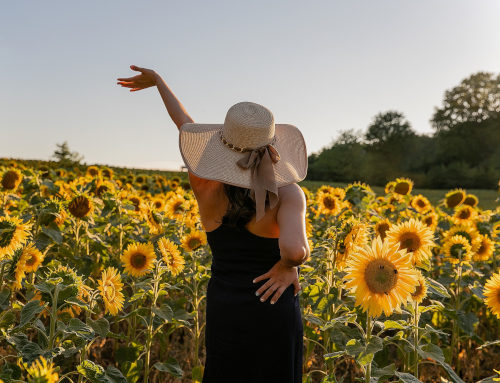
292 194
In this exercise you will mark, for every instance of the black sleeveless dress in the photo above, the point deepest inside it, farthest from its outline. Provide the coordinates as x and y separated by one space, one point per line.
248 340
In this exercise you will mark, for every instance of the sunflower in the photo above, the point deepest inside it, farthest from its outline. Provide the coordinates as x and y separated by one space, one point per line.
430 220
194 240
153 218
420 203
415 237
158 203
381 227
171 255
485 248
41 371
356 191
421 291
93 171
328 204
307 194
11 179
13 234
18 268
454 198
354 233
136 201
176 206
107 172
110 287
466 230
471 200
81 206
464 214
492 294
457 249
389 187
138 259
381 276
34 258
403 186
103 186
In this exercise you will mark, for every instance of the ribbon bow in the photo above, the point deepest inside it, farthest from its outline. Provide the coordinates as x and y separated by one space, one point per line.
263 181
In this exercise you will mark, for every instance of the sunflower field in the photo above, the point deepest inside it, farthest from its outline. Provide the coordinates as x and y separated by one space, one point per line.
103 275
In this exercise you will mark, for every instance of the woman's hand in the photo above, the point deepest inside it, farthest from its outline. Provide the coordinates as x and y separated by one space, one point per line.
146 79
280 277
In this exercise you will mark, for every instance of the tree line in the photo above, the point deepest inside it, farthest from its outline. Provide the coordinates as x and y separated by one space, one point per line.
462 151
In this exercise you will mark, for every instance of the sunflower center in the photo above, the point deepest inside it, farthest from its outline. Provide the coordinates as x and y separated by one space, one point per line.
382 228
329 202
464 214
457 249
421 203
418 290
454 199
194 243
10 180
138 260
482 249
428 221
7 230
409 241
402 188
31 260
79 207
177 206
381 276
109 291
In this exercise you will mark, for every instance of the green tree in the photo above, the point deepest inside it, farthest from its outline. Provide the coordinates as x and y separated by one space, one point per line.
66 157
388 128
475 99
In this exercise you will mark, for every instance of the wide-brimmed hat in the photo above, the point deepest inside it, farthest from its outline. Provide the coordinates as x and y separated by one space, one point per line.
248 150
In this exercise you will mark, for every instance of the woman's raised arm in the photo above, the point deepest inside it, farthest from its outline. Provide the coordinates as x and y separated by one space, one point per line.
149 78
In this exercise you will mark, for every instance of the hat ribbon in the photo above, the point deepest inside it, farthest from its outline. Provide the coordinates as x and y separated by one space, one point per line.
263 180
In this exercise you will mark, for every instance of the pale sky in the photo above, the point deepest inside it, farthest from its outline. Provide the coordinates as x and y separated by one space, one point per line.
324 66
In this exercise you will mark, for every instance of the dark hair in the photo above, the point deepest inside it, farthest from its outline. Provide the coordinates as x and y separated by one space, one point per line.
241 207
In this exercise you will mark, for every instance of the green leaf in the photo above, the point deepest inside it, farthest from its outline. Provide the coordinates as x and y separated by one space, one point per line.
437 288
466 322
314 319
7 319
4 298
53 234
406 378
431 351
171 366
115 375
487 344
100 326
164 312
29 311
354 347
93 372
385 371
451 373
77 327
333 355
391 324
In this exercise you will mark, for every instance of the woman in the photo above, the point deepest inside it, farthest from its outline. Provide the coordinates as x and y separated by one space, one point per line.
243 174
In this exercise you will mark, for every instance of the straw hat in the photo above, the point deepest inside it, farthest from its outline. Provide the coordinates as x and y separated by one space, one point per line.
249 150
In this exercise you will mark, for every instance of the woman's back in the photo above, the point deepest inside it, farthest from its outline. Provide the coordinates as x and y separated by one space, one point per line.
248 340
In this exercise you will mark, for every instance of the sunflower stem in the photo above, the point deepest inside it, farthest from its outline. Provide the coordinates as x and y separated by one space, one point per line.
149 334
53 317
369 326
416 318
